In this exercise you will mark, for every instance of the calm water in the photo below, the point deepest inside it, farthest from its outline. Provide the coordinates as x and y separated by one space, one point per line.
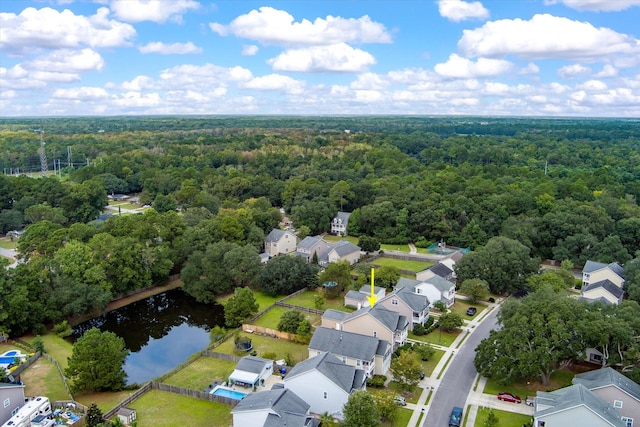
161 331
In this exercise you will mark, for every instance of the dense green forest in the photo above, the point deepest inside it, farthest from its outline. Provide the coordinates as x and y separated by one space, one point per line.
567 189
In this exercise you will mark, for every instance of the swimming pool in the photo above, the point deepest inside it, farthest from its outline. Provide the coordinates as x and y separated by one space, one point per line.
9 357
225 392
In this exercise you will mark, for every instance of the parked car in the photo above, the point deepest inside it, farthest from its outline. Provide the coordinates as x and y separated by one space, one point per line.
455 419
471 311
509 397
400 401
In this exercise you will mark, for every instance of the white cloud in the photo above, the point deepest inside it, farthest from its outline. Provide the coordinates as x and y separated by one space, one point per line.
593 85
459 67
275 82
546 36
597 5
81 93
607 71
158 11
249 49
458 10
198 76
48 28
271 26
170 49
67 60
138 83
339 57
137 100
369 81
571 71
531 68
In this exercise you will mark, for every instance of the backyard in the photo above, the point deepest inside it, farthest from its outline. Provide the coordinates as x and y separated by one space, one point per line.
201 373
402 264
262 345
272 317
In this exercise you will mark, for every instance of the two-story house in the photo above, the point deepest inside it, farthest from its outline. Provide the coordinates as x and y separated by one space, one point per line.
325 383
280 242
342 251
575 405
412 305
615 389
12 399
310 245
273 408
340 223
376 321
368 353
434 288
602 282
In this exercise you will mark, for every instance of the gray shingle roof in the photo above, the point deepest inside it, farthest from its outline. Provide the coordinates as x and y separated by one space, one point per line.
252 364
344 217
279 400
605 377
608 285
441 270
287 419
366 289
390 319
569 397
335 314
309 242
344 376
403 282
591 266
344 247
441 284
415 301
274 235
343 343
355 295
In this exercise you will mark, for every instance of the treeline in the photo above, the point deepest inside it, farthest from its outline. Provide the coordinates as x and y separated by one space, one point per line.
565 189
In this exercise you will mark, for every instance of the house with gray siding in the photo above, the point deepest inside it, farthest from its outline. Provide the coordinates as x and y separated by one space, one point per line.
411 305
11 400
273 408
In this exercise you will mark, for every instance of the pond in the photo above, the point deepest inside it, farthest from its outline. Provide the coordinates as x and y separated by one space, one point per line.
161 331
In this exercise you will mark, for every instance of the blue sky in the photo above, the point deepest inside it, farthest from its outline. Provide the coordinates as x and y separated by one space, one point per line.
438 57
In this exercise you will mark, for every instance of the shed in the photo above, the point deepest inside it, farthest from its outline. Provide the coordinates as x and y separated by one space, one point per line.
126 415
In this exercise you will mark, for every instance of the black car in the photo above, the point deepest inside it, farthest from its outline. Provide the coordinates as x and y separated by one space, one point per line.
471 311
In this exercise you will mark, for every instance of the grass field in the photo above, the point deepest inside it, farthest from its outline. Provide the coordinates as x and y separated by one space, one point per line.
264 301
201 373
402 264
43 379
397 248
430 365
161 409
272 317
263 345
6 243
559 379
437 337
332 239
461 306
402 418
307 299
505 419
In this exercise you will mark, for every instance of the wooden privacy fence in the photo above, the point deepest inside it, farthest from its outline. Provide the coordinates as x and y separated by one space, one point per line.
133 396
273 333
300 308
222 356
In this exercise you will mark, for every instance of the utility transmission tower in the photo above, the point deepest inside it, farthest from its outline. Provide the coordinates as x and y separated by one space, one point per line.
43 155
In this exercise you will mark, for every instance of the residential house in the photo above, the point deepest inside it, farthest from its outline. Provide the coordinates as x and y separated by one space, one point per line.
273 408
437 270
340 223
593 272
370 354
251 371
12 399
341 251
604 291
310 245
280 242
575 405
376 321
616 389
325 383
359 298
434 288
412 305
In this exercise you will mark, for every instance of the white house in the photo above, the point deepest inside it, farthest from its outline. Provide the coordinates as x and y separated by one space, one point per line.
325 383
280 242
272 408
358 299
434 288
251 371
340 223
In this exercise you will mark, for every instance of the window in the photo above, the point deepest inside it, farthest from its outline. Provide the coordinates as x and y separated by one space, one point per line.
375 334
394 301
344 359
324 394
617 404
15 411
7 402
358 363
628 421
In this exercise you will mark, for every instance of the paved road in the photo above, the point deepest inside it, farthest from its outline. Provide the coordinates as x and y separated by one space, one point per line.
458 379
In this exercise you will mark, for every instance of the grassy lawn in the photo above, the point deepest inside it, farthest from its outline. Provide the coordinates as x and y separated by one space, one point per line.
331 238
461 306
307 299
402 418
437 337
402 264
43 379
161 409
264 301
56 347
412 396
104 400
397 248
272 317
201 373
505 419
430 365
264 345
559 379
6 243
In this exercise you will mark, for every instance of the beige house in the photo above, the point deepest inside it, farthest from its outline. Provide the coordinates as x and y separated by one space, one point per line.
374 321
312 245
342 251
602 282
280 242
409 304
615 389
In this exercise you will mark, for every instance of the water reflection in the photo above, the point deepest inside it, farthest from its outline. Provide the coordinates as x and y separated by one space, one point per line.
161 331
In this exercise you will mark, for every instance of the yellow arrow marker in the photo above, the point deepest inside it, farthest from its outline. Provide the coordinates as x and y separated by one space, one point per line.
373 298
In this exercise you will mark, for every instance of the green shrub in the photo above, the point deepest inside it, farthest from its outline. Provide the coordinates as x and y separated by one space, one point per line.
418 329
271 355
39 329
376 381
63 329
